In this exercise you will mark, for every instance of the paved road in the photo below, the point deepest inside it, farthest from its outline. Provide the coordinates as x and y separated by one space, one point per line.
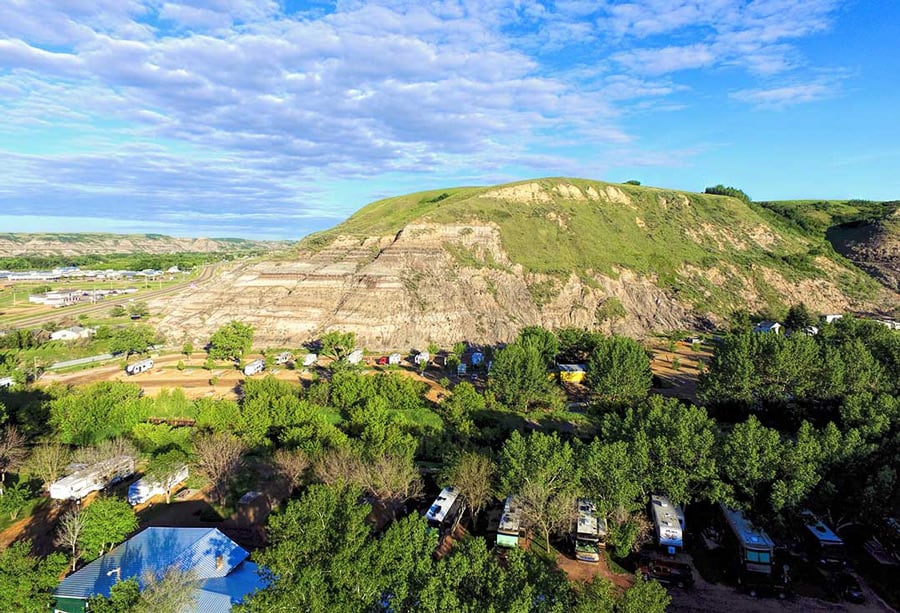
36 320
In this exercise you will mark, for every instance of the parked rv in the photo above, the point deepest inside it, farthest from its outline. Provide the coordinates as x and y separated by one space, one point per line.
446 511
146 488
822 545
509 530
589 533
355 357
92 478
395 358
310 359
284 357
254 367
753 554
668 523
422 358
139 367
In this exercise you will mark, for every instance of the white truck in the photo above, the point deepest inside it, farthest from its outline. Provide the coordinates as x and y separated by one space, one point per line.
146 488
92 478
139 367
254 367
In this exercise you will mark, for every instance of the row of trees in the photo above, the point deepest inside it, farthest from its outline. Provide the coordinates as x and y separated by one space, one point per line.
324 556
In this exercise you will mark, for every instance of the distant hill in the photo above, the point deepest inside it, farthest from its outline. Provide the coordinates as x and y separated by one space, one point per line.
73 244
478 263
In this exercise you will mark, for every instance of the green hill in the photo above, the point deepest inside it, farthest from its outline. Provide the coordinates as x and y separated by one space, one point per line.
707 249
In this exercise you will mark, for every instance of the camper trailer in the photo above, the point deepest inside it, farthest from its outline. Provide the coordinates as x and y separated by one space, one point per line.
446 510
422 358
139 367
395 358
590 532
509 530
310 359
92 478
254 367
668 523
355 357
146 488
284 357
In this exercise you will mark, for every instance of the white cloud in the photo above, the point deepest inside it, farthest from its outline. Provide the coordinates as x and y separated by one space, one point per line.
784 96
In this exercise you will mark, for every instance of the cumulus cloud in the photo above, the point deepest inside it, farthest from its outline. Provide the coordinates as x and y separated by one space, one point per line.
232 106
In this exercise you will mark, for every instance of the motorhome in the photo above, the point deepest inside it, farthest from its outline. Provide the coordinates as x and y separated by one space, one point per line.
395 358
668 523
446 510
422 358
509 530
284 357
590 532
753 553
254 367
822 545
146 488
92 478
139 367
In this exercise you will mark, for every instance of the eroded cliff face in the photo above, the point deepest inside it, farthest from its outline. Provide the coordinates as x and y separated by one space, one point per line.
873 247
430 282
446 283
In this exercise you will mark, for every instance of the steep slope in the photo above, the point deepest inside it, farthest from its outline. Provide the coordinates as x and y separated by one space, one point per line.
480 263
14 245
874 247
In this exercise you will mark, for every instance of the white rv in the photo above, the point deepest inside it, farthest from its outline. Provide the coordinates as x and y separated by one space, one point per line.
146 488
139 367
422 358
284 357
590 532
509 530
668 523
254 367
92 478
395 358
446 510
310 359
355 357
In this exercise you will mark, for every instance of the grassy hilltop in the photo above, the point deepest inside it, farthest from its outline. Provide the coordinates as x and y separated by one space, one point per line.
706 248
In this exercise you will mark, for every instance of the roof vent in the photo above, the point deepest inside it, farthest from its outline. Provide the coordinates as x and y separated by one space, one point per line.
220 562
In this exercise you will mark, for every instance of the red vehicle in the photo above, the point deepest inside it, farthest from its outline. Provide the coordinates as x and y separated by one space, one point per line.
382 361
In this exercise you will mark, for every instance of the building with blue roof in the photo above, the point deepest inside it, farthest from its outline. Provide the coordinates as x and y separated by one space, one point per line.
219 566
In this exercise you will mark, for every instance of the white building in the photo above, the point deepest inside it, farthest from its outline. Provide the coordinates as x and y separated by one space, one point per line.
55 299
830 319
6 382
72 334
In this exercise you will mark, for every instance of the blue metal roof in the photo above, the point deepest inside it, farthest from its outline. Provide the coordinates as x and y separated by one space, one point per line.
207 553
220 593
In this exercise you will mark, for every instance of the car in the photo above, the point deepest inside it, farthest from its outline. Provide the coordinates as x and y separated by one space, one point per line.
848 588
382 361
666 571
473 377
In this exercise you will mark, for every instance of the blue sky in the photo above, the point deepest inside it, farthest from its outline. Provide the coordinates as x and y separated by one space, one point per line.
272 119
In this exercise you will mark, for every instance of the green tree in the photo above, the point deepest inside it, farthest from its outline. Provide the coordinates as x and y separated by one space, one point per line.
117 311
472 474
734 192
644 597
543 340
107 521
163 469
576 344
618 371
799 318
597 596
731 377
519 376
138 309
124 596
187 349
610 477
231 341
459 409
541 470
132 339
25 580
337 344
751 455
